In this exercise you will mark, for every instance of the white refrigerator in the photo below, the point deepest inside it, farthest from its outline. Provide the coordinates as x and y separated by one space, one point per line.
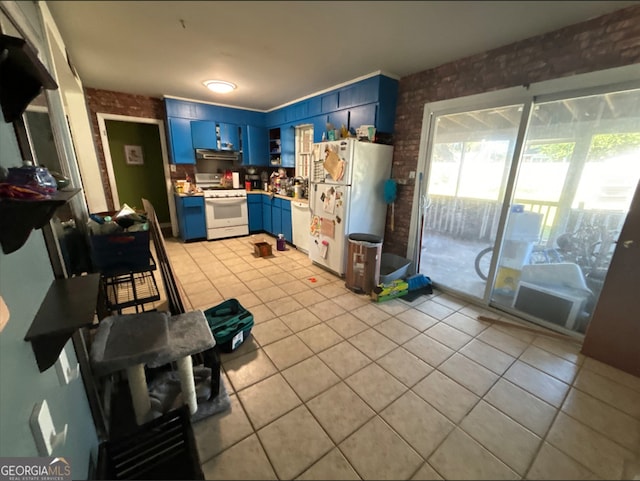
346 196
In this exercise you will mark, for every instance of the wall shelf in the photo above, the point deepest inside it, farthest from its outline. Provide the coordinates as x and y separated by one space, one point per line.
18 217
23 76
69 305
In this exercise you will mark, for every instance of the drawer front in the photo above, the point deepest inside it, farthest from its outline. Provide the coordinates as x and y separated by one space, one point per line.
193 201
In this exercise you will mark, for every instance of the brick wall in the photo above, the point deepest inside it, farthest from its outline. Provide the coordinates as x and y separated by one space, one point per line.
117 103
604 42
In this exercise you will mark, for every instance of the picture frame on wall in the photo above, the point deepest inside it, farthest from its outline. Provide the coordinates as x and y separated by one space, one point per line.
133 154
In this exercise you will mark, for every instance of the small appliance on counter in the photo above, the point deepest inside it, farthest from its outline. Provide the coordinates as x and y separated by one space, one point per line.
252 179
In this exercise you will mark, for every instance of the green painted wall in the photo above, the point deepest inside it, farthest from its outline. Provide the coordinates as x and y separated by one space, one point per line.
139 181
25 276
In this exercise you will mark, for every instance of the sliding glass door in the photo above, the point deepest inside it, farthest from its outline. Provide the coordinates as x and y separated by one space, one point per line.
535 219
467 174
576 178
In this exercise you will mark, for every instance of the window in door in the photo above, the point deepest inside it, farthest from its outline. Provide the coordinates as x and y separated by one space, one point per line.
467 174
575 182
524 212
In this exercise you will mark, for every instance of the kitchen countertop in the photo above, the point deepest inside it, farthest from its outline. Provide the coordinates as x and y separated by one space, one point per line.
198 194
286 197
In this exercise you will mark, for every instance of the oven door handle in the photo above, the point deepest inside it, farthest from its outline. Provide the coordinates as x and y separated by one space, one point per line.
226 200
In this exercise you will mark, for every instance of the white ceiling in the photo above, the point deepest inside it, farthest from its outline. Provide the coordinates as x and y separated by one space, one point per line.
277 52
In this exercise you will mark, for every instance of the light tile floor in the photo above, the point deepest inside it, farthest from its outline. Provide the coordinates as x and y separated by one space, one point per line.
333 386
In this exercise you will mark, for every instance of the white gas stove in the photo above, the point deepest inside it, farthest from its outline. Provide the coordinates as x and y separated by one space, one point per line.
225 209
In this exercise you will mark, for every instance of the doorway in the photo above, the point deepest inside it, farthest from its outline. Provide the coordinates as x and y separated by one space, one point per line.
137 164
526 202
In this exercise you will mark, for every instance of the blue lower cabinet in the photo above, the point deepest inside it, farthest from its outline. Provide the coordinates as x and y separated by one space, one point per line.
276 217
254 202
191 217
267 202
286 220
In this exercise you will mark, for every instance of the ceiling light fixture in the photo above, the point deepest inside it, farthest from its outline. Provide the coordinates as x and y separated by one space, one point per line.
219 86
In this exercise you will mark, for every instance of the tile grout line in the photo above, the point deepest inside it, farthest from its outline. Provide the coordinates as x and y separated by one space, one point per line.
500 376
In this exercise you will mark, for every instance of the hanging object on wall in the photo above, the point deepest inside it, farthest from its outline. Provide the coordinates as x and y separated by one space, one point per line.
390 192
133 154
4 314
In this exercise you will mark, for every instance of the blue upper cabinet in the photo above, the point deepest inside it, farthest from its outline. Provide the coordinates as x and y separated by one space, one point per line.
387 102
319 126
329 102
203 134
181 144
229 136
181 108
338 119
314 106
363 115
371 101
364 92
288 143
255 146
207 134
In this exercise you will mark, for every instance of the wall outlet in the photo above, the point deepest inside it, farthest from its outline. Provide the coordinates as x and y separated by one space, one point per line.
412 174
65 372
172 167
44 433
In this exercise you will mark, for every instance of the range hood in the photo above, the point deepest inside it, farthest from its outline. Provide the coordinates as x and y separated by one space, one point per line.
210 154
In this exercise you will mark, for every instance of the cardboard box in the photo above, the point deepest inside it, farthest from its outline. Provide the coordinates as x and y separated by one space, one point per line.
262 249
385 292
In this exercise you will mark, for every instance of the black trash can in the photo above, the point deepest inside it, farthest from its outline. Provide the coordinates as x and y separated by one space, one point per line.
363 262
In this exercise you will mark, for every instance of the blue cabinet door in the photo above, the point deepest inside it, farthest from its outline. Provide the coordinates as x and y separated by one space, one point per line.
254 201
286 220
329 102
363 92
339 118
191 218
203 134
288 145
276 217
266 213
319 126
255 146
180 139
229 136
363 115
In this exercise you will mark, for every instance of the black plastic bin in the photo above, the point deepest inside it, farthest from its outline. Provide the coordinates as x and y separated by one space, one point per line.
230 324
123 251
164 448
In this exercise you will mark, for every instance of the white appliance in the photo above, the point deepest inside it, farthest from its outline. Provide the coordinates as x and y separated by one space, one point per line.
226 212
347 203
559 306
554 292
300 225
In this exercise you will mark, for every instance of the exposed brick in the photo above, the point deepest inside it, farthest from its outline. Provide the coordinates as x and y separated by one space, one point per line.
109 102
599 43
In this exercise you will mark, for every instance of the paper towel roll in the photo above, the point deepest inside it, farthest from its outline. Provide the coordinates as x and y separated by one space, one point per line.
236 180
